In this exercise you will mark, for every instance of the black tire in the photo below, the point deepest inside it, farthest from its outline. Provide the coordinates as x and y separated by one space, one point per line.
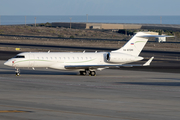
17 74
82 72
92 73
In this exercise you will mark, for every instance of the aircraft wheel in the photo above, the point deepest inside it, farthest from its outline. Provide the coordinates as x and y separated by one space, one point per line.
82 72
17 74
92 73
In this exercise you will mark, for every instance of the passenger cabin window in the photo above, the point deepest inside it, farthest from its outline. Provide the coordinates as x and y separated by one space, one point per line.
19 56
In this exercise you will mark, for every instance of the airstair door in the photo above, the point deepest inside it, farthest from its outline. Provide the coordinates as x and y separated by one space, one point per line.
31 60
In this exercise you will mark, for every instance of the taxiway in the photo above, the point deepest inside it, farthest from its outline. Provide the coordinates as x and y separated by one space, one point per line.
113 94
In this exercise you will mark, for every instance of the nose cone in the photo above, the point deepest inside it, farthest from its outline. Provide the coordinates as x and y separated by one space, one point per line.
8 63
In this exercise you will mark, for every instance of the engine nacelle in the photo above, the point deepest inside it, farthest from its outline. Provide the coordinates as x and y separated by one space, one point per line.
115 57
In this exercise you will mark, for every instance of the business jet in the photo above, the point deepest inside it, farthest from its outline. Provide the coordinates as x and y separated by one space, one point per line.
84 62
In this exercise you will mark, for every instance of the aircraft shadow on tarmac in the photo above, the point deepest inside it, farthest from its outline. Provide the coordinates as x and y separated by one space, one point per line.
151 83
31 72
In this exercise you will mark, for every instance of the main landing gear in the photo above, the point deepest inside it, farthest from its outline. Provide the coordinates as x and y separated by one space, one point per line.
17 72
91 73
82 72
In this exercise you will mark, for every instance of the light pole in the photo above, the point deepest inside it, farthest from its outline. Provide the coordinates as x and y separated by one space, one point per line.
161 20
35 21
87 18
70 22
25 20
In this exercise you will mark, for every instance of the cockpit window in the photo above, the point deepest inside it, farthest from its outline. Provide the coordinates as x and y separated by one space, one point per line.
19 56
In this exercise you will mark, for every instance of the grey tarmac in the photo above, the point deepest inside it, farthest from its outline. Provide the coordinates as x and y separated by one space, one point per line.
114 94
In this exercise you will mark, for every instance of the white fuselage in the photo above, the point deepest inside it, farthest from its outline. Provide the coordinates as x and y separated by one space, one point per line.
58 60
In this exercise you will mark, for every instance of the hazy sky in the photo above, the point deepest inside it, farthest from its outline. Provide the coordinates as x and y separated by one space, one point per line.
91 7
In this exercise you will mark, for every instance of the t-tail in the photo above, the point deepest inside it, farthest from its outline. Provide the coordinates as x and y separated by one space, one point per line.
135 45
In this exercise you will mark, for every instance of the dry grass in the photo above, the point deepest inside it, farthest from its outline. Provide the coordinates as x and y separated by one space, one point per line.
82 34
59 32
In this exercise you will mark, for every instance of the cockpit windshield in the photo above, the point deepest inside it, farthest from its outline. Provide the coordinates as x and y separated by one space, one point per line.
19 56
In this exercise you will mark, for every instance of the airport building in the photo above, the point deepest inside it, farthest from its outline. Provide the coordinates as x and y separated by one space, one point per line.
114 26
96 25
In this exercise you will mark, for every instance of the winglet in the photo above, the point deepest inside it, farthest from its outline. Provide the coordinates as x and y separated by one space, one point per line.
148 62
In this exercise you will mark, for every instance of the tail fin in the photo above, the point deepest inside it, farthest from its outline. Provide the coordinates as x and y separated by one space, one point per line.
135 45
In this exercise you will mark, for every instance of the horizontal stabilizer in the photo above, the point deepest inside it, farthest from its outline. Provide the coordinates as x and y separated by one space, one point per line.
155 36
148 62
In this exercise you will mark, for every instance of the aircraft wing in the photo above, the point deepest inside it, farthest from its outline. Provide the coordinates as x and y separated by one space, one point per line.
107 66
87 66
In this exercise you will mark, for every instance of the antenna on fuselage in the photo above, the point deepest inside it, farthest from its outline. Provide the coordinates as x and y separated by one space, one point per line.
49 51
84 51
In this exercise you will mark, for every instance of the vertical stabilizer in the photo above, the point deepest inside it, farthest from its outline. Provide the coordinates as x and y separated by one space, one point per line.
135 45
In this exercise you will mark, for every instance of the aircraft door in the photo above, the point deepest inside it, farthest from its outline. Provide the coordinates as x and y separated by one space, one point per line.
31 60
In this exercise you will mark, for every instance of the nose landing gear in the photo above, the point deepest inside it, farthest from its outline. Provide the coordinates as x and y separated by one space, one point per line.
17 72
